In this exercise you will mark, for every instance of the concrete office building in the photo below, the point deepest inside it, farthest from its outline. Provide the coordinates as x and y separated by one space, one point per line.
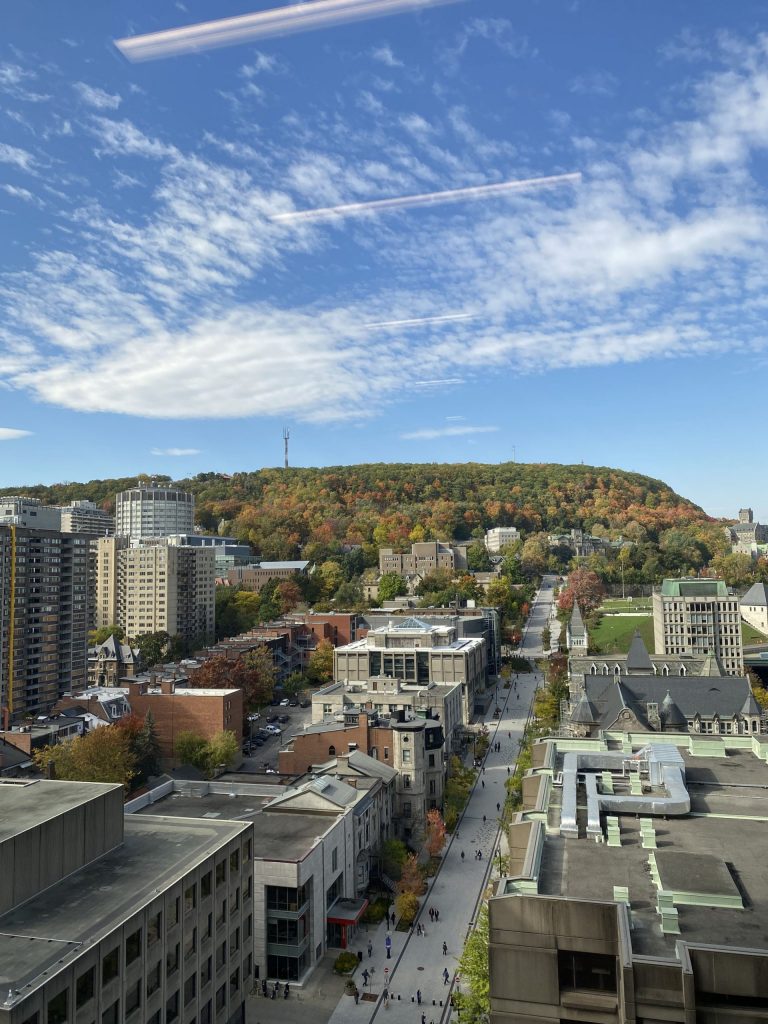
111 918
256 576
410 656
229 554
154 512
86 517
19 510
468 622
156 586
699 617
43 617
499 537
636 891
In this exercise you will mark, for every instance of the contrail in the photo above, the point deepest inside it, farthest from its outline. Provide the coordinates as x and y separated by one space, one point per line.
427 199
301 17
418 321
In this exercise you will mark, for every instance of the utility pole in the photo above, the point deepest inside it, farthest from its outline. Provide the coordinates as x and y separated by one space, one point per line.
286 438
514 453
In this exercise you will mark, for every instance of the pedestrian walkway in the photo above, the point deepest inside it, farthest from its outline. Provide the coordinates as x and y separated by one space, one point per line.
418 962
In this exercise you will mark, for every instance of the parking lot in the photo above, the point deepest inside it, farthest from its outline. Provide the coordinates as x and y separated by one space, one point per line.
265 756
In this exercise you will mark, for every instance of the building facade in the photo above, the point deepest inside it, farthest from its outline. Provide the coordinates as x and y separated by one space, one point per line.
19 510
112 918
156 586
255 577
699 617
43 617
86 517
499 536
143 512
754 607
424 558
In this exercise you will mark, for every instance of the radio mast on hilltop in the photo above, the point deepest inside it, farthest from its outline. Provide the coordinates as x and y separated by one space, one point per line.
286 439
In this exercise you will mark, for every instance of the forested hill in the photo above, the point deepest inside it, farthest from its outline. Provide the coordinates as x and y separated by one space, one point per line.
280 510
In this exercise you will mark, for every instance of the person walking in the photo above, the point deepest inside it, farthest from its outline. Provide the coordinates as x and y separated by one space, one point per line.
479 854
498 807
418 929
286 990
370 949
393 919
357 995
423 1017
445 949
446 976
431 914
264 987
277 987
418 996
388 945
437 914
484 819
482 782
462 855
365 976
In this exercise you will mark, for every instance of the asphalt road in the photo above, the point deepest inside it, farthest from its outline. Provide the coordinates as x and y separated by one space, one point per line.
538 618
266 755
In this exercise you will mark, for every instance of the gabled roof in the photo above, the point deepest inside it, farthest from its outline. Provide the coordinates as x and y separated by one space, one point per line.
685 696
671 715
638 659
368 765
756 595
585 712
577 623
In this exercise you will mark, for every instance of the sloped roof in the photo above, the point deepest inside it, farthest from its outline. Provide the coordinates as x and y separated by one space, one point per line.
576 623
368 765
671 714
726 696
757 595
638 659
412 623
584 713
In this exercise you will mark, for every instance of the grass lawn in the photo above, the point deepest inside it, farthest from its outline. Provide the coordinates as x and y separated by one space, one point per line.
637 604
614 634
749 635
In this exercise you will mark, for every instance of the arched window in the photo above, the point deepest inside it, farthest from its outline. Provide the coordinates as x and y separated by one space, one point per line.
665 670
616 670
593 669
605 670
331 751
682 670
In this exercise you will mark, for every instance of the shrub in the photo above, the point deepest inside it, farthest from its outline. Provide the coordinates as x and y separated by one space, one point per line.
407 907
345 962
375 911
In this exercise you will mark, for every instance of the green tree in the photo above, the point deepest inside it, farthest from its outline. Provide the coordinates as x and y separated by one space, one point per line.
96 637
535 555
349 595
737 569
393 855
331 576
407 907
190 749
144 746
221 750
153 647
102 755
478 559
392 585
475 998
320 667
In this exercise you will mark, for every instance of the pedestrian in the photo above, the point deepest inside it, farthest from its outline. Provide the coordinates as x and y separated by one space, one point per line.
445 949
510 735
437 914
418 997
498 807
462 855
370 949
484 819
479 854
418 929
274 992
277 987
508 772
431 914
264 987
388 944
423 1017
366 976
446 976
483 772
482 782
357 995
393 919
286 990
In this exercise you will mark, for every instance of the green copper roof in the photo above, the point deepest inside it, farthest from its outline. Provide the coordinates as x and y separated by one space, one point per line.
694 588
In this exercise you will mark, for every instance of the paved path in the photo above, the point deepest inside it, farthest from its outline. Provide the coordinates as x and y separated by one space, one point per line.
417 962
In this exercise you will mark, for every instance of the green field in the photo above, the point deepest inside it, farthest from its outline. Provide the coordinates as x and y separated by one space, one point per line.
636 604
614 634
749 635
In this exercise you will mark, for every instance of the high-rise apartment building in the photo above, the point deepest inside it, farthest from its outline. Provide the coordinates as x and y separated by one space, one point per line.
86 517
43 617
156 586
20 510
154 512
110 918
699 617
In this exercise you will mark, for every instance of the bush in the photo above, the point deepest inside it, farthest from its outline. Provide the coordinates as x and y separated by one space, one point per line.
393 855
407 907
376 911
345 962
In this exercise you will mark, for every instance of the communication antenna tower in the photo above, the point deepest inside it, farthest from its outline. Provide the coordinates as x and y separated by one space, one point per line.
286 439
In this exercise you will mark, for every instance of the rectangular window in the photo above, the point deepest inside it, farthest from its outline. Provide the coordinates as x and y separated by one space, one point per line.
234 941
595 971
155 1018
221 872
234 982
190 944
154 927
205 1013
234 861
248 926
153 978
205 972
112 1014
221 998
221 956
173 912
431 760
221 916
335 859
58 1008
133 997
208 928
172 1008
110 967
406 756
190 989
34 1019
84 987
205 885
133 947
172 961
190 899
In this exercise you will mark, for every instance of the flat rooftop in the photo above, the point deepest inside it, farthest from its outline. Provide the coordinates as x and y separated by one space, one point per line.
26 805
47 931
277 835
716 853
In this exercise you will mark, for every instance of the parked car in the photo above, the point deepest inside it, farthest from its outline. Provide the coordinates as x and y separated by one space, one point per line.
284 718
254 717
273 729
264 735
284 702
293 703
304 703
258 741
271 719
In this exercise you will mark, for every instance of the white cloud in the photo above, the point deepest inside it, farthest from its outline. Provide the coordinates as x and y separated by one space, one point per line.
20 158
9 434
175 452
95 97
14 81
20 193
595 83
384 55
432 433
261 64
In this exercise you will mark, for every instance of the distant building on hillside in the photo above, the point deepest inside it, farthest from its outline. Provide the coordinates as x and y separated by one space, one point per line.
424 558
746 535
499 536
699 617
256 576
143 512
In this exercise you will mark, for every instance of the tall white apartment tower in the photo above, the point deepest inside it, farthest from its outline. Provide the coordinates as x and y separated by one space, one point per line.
144 512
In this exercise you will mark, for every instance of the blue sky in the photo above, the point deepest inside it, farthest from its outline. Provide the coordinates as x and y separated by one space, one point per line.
162 307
